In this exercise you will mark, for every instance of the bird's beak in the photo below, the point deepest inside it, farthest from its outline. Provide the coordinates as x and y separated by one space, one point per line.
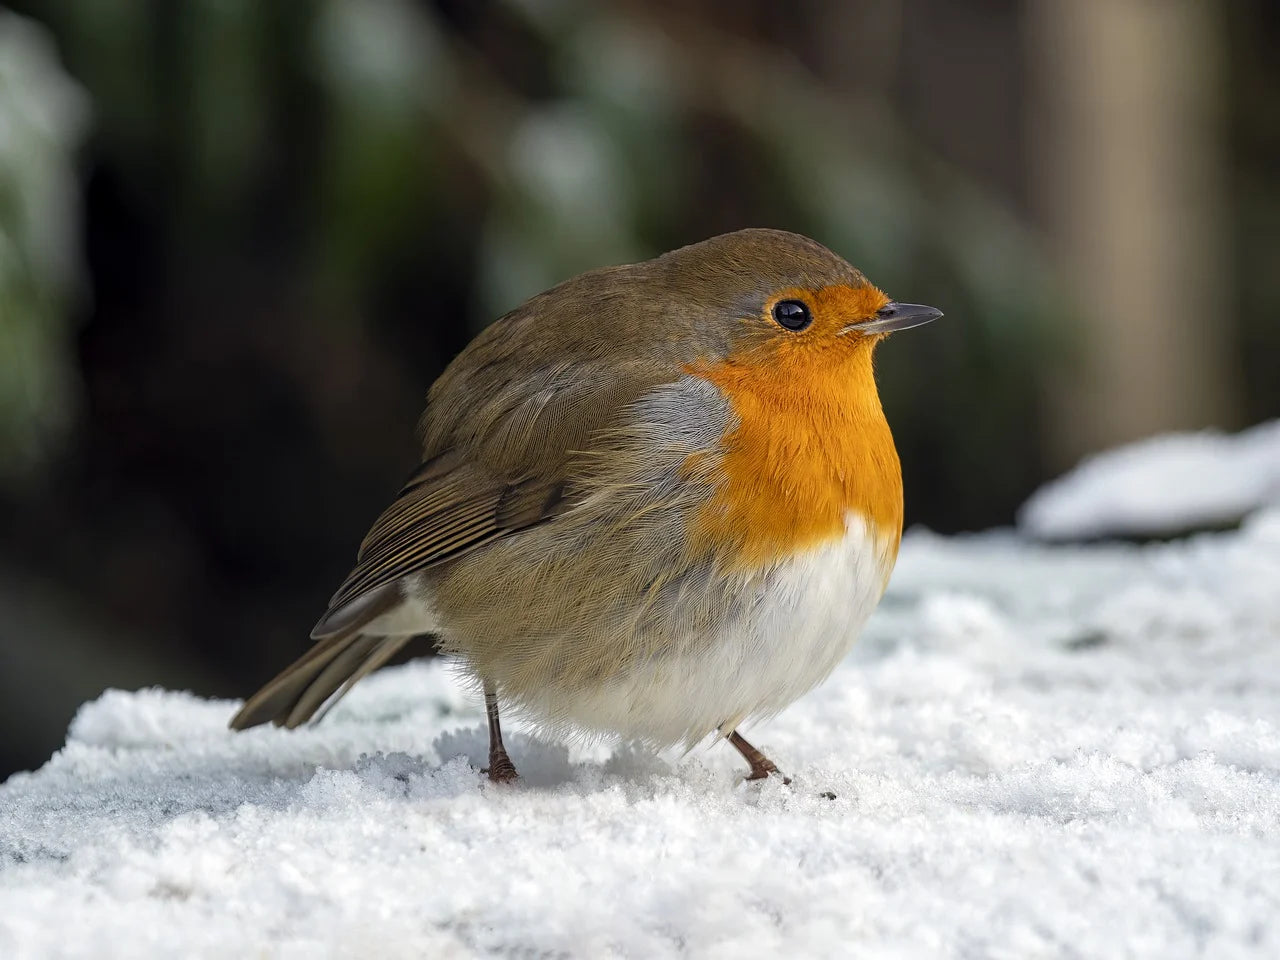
894 316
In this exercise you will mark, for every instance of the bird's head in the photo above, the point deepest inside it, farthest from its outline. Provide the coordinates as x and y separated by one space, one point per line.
778 308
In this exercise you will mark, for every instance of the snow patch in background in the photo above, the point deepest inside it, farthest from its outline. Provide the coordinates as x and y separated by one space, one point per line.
1161 486
1036 752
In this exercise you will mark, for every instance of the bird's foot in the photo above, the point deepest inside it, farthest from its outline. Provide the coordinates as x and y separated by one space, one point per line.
761 766
766 770
501 769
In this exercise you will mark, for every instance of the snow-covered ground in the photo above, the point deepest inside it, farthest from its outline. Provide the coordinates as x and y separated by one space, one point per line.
1164 485
1036 752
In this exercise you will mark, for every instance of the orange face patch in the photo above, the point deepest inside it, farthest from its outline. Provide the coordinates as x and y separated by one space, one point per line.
835 307
812 444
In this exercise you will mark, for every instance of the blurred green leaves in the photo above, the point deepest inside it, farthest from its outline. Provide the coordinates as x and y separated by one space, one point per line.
473 155
43 117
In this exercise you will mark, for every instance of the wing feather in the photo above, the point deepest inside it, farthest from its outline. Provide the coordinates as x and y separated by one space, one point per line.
429 522
495 463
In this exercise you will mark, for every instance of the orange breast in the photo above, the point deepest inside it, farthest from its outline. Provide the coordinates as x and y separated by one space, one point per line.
812 445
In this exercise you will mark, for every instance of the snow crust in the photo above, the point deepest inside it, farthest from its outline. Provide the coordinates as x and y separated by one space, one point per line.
1036 752
1161 486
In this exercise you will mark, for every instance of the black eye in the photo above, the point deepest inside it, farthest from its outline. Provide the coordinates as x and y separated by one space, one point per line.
792 314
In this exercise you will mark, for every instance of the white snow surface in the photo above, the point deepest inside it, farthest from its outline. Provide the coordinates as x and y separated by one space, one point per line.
1036 752
1159 486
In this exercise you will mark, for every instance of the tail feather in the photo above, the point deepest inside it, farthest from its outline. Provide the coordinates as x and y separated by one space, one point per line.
332 665
330 678
276 698
380 654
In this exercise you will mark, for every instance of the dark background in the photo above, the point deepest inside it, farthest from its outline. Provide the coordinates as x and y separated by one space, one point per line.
239 239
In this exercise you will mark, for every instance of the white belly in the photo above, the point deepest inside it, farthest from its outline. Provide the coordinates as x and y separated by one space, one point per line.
798 629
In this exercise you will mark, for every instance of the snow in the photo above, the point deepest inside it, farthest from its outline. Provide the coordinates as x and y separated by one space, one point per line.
1160 486
1036 751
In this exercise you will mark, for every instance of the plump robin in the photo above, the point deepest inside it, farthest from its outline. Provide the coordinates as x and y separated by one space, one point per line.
655 501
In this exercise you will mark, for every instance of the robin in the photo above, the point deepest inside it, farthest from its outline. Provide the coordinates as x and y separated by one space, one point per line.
656 501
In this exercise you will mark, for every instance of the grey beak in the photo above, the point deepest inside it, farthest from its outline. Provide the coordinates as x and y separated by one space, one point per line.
896 316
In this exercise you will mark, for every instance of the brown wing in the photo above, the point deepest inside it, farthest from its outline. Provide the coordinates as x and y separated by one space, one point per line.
440 514
505 423
514 473
520 445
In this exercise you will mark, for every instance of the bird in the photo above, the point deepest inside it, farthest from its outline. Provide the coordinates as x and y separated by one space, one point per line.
655 502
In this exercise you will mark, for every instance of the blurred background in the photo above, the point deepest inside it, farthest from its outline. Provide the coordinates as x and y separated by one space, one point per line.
238 240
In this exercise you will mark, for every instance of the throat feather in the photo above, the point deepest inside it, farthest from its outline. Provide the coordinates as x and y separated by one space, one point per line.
811 447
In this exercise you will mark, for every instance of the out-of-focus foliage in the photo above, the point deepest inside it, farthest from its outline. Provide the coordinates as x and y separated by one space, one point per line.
1253 128
473 156
42 119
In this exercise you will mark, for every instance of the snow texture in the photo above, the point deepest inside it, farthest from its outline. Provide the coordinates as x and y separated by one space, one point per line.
1035 751
1161 486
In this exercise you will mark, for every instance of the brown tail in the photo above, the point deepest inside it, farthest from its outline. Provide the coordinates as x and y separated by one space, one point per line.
324 673
328 670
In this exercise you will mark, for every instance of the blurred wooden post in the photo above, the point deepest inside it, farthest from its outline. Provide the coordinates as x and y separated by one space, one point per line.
1126 168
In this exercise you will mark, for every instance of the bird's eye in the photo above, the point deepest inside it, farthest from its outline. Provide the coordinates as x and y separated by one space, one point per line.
792 314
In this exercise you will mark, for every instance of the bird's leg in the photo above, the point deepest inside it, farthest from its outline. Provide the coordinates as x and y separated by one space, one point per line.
761 766
501 769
